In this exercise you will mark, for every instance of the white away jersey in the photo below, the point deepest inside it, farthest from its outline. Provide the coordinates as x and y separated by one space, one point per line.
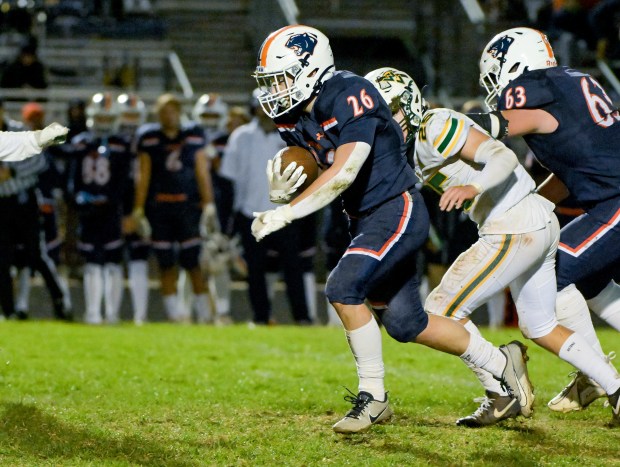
509 208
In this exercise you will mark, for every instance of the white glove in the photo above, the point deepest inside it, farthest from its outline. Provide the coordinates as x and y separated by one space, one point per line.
143 227
208 220
54 133
282 186
267 222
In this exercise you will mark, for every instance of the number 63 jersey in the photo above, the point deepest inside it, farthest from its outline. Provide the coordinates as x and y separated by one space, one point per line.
509 208
584 151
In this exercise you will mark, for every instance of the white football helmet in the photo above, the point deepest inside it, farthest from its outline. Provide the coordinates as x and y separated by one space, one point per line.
211 112
400 92
293 64
101 113
131 112
508 55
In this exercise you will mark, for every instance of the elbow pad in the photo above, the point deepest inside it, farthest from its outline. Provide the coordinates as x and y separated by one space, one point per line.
493 123
499 163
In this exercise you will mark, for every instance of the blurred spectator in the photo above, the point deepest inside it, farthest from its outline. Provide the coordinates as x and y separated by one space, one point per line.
572 16
506 11
246 169
605 23
26 71
216 119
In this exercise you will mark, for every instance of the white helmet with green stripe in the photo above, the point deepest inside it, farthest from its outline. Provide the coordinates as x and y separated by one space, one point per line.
400 92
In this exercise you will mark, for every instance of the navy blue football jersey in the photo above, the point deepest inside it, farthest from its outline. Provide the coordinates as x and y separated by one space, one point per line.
349 109
584 151
172 159
100 168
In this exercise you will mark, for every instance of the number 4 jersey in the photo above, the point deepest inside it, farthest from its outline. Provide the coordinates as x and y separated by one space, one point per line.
584 151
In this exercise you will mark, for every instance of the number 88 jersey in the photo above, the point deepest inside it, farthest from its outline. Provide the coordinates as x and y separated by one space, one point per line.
584 150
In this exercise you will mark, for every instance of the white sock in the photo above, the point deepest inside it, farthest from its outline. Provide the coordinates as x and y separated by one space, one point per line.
139 289
23 290
365 344
184 297
202 307
113 287
310 292
495 307
93 292
66 293
606 305
171 306
486 379
272 279
482 354
571 311
578 353
220 285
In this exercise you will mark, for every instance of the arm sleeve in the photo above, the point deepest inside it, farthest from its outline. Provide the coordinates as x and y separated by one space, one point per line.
336 185
499 163
17 146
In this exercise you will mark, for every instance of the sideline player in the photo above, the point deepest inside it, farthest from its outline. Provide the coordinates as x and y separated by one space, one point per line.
344 122
518 236
131 117
97 181
573 129
174 188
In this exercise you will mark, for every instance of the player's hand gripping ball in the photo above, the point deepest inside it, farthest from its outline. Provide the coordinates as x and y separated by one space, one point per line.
290 172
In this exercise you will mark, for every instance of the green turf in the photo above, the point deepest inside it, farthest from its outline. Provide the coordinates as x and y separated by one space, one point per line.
194 395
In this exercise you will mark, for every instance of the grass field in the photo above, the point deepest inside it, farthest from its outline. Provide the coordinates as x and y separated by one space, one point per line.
190 396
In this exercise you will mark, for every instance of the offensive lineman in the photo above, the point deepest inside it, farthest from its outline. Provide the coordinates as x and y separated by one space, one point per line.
349 129
573 129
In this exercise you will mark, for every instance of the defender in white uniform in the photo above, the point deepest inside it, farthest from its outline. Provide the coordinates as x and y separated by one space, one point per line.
518 230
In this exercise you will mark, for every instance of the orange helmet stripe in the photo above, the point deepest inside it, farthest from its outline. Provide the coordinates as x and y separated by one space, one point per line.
269 40
546 42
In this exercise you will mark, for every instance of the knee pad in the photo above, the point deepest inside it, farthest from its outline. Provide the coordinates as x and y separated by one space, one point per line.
188 257
404 325
345 287
607 303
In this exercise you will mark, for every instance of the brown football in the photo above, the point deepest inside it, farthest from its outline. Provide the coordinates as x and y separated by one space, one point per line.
304 158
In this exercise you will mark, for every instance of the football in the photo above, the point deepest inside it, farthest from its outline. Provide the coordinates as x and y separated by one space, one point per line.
304 158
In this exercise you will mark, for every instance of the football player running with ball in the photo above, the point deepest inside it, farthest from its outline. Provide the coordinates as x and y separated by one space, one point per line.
342 119
518 236
573 129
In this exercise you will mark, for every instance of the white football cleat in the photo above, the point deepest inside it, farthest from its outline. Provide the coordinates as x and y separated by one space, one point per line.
515 378
366 411
579 393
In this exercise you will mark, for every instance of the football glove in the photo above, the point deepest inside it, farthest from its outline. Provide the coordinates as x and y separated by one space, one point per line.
283 185
54 133
208 220
267 222
143 227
